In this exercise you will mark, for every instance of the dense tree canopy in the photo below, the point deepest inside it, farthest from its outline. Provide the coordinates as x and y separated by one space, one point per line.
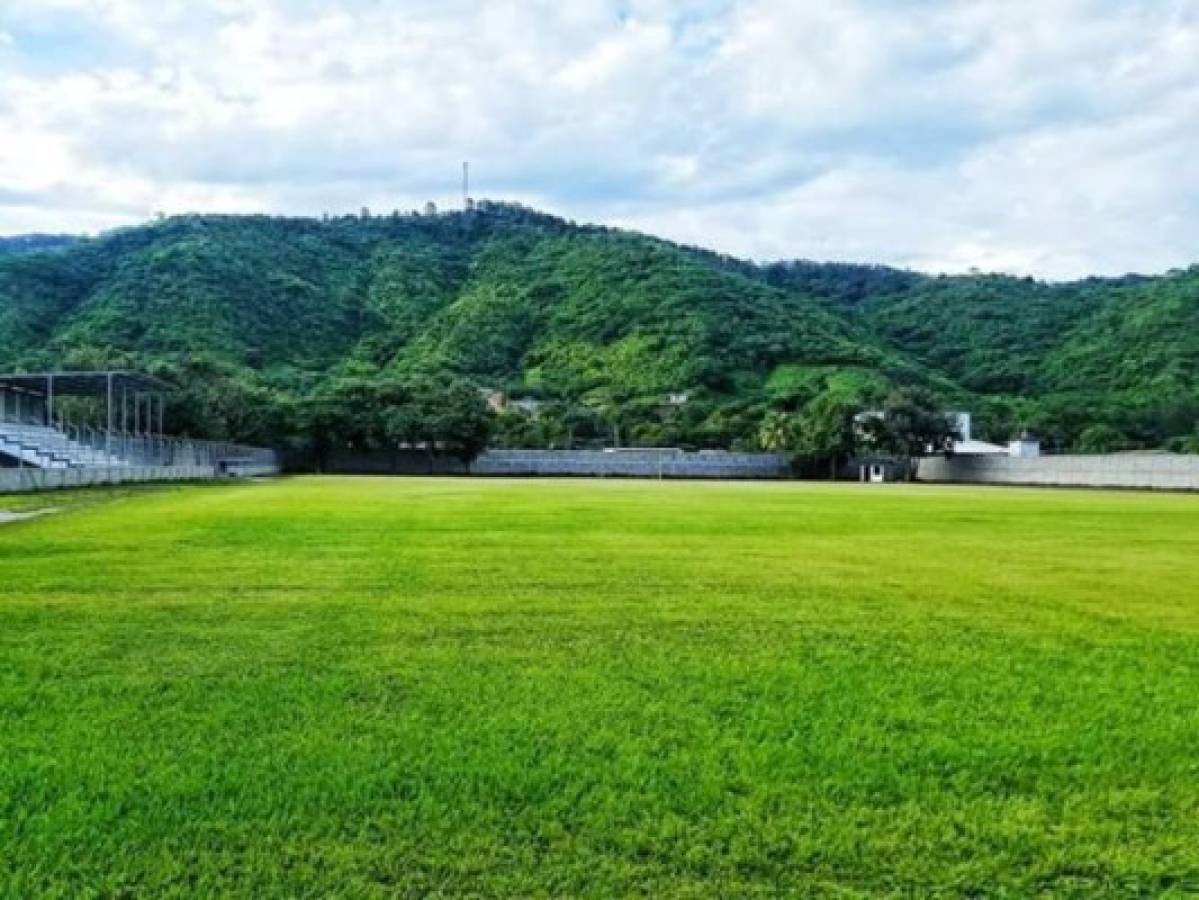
360 331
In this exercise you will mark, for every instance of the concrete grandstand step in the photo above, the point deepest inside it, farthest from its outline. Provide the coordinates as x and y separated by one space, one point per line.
44 447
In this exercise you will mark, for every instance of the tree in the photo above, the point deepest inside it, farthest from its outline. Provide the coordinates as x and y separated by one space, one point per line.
826 431
1101 439
777 433
460 419
1188 444
444 414
580 423
343 413
912 421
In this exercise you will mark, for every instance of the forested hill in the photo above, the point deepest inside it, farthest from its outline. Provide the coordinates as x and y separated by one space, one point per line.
262 320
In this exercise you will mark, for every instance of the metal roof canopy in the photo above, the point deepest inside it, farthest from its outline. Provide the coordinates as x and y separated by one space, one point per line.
84 384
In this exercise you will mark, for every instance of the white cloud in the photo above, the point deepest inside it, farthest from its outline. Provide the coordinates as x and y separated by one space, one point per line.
1055 137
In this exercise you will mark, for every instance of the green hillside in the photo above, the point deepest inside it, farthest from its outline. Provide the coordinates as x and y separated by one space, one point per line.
272 325
1120 354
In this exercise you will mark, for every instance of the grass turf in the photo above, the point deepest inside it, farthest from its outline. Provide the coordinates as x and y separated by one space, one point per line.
365 687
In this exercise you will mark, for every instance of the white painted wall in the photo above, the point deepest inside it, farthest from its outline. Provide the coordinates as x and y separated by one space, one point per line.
1164 471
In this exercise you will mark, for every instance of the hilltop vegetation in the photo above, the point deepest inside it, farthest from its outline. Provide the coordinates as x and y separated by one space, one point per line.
271 323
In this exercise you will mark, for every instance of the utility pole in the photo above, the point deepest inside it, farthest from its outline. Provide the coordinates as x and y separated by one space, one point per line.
465 185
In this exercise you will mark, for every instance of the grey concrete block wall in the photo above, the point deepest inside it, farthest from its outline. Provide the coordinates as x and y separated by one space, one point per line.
631 464
564 463
1154 471
393 462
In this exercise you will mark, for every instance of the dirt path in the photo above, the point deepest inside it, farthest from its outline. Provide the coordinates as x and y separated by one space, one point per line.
7 517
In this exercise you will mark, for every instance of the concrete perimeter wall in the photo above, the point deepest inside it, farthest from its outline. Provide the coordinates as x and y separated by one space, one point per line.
565 463
631 464
390 462
1157 471
14 481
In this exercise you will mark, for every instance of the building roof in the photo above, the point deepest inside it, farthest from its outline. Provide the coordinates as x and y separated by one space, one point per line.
978 448
83 384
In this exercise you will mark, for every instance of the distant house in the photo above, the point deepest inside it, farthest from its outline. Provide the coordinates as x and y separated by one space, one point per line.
496 400
1025 447
673 402
973 447
964 444
528 406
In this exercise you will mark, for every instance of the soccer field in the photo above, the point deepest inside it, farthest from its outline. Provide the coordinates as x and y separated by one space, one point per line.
361 687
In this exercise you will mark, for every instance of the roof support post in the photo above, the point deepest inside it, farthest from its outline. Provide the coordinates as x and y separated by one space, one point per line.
108 430
50 400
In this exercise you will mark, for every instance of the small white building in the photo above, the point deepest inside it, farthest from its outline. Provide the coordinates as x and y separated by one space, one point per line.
879 470
1024 447
964 443
978 448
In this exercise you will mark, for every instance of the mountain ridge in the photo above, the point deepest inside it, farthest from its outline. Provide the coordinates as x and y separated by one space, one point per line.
590 318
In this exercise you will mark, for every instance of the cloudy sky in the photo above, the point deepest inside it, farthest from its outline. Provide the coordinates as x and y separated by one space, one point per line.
1047 137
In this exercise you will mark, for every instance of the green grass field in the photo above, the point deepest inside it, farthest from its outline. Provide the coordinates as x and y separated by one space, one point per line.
370 687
